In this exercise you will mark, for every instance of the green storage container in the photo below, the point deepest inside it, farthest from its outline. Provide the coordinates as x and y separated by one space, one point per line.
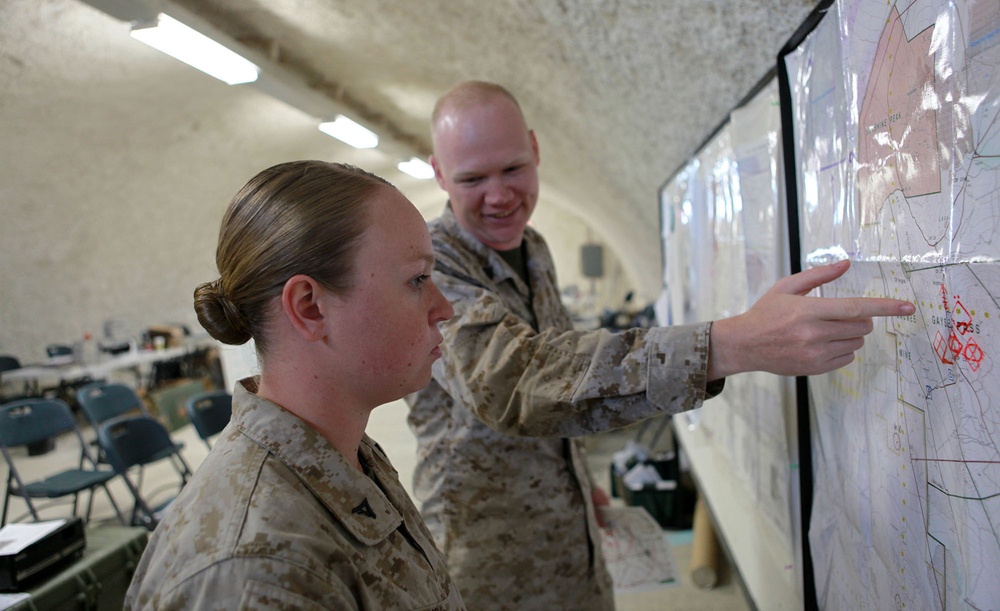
168 401
97 580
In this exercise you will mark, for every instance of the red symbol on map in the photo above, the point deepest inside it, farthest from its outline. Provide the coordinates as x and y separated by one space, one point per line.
941 348
973 354
955 344
962 318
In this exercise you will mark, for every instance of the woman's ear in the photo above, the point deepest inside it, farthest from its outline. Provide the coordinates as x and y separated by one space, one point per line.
300 301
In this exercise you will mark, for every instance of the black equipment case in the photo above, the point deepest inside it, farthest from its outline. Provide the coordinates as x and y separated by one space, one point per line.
99 579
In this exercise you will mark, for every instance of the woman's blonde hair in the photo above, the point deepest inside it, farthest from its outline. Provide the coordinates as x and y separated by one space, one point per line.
300 217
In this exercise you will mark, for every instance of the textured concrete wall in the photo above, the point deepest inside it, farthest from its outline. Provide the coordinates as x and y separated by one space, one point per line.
113 183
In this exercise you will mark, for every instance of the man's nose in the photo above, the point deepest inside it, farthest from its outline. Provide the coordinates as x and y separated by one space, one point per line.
497 191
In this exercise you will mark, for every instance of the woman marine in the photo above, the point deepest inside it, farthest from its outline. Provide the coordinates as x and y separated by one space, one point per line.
327 268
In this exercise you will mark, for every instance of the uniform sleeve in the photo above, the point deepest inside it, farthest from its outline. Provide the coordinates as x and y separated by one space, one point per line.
563 383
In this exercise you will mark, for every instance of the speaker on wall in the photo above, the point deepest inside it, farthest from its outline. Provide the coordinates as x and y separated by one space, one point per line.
592 260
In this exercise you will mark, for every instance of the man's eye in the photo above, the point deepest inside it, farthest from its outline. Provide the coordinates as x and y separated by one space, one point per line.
419 280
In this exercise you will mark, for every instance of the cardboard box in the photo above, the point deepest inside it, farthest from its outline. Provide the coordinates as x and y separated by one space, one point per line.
173 335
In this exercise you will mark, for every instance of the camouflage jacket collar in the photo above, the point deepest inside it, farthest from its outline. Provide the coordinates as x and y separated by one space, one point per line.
354 498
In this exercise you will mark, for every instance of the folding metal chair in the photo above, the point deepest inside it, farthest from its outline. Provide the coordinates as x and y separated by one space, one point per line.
9 363
102 401
29 421
209 412
12 363
139 441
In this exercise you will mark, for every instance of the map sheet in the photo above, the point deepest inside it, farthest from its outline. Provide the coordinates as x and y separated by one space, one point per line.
897 161
636 550
723 248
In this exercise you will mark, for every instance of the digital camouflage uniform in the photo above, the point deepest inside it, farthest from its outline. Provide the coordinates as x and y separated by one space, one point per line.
504 490
276 518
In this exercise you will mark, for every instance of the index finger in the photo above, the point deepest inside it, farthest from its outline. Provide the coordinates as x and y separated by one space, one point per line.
805 281
853 308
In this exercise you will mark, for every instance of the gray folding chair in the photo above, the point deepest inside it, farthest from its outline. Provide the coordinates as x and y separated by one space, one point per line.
131 442
209 412
29 421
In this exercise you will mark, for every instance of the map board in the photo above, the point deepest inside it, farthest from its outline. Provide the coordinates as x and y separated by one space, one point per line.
895 147
723 247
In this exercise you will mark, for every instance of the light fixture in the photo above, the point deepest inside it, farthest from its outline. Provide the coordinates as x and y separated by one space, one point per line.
348 131
417 168
195 49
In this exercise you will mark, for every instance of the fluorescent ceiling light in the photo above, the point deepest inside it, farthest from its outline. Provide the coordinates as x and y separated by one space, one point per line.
348 131
417 168
197 50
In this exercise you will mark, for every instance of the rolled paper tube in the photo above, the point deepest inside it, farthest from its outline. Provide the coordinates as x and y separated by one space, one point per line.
704 548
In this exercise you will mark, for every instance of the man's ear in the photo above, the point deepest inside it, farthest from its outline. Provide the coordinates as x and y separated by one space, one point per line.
534 147
438 176
300 301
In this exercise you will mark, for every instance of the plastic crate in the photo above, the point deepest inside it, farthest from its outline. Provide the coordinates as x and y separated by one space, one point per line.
671 503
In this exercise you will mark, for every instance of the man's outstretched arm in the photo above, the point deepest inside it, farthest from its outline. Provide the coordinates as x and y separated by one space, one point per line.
788 333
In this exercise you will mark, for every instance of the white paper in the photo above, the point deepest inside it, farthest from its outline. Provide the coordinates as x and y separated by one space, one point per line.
16 537
636 550
9 600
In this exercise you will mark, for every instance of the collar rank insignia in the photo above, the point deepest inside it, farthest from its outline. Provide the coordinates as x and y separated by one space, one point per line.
364 509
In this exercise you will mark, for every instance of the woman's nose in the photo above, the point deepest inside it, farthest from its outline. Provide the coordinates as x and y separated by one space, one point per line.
442 309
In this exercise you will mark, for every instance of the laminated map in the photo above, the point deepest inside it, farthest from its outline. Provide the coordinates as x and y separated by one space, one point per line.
897 160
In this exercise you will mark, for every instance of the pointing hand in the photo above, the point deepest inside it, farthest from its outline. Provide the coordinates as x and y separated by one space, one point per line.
788 333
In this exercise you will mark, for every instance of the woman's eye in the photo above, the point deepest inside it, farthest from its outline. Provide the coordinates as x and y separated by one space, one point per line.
419 280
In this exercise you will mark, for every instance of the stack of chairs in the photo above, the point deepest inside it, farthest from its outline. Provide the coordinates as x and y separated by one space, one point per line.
131 439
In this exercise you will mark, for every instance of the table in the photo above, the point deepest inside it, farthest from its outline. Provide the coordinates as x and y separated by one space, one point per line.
59 370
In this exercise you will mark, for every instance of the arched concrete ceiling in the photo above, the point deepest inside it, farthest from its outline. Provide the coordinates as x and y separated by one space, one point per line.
620 92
